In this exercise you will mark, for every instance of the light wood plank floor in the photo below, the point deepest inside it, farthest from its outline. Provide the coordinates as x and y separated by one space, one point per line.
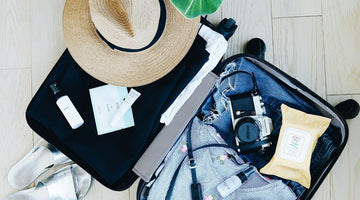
315 41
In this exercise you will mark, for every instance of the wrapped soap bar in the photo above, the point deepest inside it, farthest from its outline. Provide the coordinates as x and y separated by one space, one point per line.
297 139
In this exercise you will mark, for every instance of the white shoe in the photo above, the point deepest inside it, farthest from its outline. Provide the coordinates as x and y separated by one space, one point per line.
68 183
40 159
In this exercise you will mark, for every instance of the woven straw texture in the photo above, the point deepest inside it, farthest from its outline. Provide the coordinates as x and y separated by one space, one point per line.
122 68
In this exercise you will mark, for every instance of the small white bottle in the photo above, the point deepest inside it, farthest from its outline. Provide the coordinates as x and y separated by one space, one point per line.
67 107
234 182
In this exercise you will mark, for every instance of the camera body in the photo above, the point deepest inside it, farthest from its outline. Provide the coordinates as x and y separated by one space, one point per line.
250 125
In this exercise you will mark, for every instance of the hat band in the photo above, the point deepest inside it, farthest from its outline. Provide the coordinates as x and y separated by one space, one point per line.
158 34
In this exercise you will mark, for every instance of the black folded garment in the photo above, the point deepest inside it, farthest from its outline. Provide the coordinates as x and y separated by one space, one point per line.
109 158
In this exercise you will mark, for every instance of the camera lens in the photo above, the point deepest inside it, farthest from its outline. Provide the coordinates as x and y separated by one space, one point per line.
247 130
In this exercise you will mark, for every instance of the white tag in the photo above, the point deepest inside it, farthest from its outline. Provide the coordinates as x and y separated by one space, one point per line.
124 107
295 145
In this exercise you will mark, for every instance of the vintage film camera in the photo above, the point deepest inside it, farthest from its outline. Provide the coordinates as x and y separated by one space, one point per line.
251 127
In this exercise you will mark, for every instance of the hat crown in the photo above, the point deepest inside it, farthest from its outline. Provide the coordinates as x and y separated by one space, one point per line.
130 24
117 10
88 43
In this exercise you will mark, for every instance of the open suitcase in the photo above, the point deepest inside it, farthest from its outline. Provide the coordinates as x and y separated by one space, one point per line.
110 158
338 131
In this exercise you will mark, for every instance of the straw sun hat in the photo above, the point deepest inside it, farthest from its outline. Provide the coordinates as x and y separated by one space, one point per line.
127 42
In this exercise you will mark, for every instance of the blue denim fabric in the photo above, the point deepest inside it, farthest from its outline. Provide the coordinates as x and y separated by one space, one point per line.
216 112
216 108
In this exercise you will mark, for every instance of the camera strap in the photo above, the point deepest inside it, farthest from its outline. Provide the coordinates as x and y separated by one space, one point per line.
252 75
196 191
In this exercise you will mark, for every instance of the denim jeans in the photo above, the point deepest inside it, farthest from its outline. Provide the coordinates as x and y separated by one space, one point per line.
216 112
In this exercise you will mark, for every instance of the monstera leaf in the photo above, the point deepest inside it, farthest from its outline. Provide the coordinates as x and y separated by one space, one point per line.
194 8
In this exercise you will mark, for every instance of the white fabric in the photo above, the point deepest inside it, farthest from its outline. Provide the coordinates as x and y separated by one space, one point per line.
216 46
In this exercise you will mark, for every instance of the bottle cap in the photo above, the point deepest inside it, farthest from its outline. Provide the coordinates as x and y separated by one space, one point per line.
246 173
249 171
56 90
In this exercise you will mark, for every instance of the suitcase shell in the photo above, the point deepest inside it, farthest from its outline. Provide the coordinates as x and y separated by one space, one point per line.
304 93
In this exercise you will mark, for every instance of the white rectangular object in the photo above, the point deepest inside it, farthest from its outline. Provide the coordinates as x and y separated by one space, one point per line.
106 101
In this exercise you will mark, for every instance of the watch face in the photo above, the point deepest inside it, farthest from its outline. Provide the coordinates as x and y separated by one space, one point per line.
247 130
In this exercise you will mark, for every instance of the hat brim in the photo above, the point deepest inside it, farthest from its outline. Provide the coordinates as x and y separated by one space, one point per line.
123 68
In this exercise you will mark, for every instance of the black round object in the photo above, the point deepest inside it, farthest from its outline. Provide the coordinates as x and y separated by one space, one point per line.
349 109
256 46
247 130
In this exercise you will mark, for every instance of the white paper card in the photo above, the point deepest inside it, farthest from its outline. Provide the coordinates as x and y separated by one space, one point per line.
106 101
295 145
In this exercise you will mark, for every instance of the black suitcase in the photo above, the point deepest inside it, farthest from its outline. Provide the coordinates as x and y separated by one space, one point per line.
338 130
108 158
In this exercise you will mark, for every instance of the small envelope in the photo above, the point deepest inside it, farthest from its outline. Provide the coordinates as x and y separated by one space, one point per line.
106 101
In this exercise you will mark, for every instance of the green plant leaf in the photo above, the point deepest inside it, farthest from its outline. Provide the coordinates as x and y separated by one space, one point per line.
194 8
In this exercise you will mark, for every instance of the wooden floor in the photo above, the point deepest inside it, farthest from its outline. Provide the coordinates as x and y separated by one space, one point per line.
318 42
